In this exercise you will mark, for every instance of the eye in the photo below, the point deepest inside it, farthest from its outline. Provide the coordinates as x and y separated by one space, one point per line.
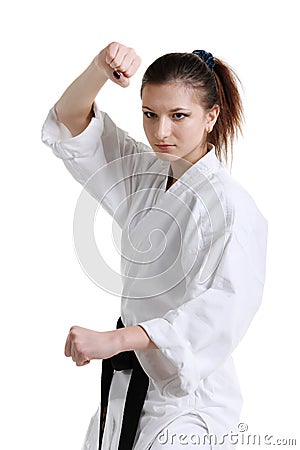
149 114
179 116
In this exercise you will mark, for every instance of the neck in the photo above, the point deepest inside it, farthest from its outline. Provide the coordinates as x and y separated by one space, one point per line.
181 165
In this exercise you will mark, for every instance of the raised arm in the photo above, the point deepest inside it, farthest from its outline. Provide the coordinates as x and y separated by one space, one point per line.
74 108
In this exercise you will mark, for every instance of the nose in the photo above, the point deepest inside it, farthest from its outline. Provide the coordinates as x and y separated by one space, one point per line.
162 129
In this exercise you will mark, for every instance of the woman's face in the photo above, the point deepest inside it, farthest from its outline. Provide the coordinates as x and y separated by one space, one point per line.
175 123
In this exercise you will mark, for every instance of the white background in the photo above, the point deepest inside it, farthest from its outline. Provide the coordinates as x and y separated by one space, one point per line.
46 401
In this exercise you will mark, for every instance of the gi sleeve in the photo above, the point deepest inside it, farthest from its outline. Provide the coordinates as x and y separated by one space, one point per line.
103 158
196 338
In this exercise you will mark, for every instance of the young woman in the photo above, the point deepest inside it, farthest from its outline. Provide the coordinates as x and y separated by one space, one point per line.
193 249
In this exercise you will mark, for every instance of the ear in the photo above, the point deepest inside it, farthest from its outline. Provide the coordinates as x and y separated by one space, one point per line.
211 117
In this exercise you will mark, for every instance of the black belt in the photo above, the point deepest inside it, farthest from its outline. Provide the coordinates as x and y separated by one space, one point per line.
135 397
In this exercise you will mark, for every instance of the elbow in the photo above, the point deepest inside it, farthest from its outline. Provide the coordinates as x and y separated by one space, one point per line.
76 122
61 112
181 386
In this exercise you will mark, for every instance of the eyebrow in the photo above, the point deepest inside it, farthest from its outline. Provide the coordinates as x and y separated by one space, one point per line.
171 110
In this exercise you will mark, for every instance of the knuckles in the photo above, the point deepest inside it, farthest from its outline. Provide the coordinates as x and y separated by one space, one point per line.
111 50
114 44
74 330
111 53
79 356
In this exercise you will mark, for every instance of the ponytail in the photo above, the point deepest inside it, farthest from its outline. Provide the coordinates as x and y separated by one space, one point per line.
231 117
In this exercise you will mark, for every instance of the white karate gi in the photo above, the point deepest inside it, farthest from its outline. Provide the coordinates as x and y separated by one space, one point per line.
193 270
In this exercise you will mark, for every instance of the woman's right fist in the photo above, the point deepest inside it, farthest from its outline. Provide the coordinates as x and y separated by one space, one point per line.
117 57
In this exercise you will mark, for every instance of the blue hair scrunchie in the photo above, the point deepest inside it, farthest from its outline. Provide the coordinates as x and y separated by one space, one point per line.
206 57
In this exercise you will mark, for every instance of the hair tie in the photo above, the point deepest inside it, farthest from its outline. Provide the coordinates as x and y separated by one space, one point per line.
206 57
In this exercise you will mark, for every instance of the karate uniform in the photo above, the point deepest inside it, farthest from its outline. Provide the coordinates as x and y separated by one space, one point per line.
193 270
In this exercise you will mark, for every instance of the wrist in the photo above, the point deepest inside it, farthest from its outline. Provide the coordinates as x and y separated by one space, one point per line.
133 338
99 67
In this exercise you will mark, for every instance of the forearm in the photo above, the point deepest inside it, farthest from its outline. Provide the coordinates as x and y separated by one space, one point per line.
133 338
74 108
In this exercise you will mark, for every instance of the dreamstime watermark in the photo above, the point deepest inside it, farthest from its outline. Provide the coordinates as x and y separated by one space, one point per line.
210 440
151 228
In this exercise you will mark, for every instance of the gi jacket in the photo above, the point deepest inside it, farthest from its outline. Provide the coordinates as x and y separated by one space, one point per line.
192 270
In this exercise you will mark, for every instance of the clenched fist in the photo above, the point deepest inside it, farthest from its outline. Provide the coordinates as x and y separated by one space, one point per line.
117 57
83 345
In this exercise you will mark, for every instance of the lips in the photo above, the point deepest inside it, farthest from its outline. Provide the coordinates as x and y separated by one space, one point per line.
165 146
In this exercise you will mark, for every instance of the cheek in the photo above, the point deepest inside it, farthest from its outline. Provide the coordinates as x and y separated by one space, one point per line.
187 129
190 135
194 129
148 127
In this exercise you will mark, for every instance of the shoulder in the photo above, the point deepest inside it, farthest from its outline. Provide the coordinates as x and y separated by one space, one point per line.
212 187
237 201
221 195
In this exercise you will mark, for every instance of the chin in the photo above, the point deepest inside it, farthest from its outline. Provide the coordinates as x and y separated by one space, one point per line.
165 156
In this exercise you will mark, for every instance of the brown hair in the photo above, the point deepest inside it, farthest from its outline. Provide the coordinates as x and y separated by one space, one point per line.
220 86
